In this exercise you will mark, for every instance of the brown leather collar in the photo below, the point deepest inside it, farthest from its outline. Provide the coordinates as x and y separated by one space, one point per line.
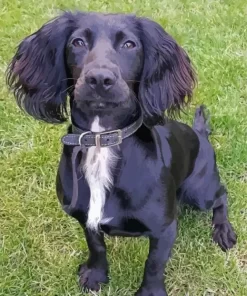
103 139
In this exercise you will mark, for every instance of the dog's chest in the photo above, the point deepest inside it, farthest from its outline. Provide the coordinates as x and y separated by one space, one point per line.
97 168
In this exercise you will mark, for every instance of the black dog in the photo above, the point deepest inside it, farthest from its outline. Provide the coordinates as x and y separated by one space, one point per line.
124 166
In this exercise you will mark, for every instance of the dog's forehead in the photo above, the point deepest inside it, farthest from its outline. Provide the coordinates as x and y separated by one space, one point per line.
98 21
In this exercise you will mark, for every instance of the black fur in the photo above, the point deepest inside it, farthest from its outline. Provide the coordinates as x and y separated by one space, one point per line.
167 76
113 66
38 74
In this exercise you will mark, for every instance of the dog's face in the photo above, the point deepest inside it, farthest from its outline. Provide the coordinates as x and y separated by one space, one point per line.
105 59
100 61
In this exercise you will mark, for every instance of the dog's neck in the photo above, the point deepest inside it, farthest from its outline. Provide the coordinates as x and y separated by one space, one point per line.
111 119
98 164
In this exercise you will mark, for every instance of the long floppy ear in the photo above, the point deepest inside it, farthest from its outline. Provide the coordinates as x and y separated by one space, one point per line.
37 73
168 77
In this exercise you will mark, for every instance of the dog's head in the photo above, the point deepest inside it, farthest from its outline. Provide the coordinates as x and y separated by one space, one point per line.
101 62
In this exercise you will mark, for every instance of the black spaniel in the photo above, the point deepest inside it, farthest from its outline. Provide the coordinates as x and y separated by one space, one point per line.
124 166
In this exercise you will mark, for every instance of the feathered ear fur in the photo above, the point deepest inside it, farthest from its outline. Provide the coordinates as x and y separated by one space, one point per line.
37 73
168 77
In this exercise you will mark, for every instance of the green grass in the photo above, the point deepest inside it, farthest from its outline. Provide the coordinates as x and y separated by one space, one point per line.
41 247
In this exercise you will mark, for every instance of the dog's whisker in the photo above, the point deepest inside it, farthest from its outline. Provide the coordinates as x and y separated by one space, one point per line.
132 80
70 78
67 89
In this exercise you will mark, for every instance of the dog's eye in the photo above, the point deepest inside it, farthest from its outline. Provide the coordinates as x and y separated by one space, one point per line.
129 44
78 42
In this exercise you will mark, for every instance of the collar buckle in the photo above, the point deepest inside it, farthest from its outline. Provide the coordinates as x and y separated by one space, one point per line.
119 137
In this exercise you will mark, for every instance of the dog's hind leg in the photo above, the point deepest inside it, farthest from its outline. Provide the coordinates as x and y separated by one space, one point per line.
223 233
203 189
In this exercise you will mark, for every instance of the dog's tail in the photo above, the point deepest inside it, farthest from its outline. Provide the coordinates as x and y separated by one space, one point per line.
201 121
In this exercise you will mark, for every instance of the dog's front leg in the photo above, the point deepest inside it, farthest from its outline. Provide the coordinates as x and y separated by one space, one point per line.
95 270
159 252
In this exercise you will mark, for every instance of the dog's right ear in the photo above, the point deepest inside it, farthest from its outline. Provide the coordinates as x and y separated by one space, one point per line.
168 76
37 73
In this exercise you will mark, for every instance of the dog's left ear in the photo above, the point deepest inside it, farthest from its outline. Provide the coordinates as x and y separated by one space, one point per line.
168 78
37 73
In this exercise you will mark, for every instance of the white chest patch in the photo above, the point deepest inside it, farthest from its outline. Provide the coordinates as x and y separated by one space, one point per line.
97 169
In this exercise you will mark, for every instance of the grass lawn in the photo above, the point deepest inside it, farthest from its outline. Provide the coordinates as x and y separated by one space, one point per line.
41 247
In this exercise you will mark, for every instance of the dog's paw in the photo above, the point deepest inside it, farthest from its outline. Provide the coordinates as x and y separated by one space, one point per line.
151 292
224 236
91 278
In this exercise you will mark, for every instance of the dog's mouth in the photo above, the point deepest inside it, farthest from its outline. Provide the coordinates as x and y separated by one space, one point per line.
100 105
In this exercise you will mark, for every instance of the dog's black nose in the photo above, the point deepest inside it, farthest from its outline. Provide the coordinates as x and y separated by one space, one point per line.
100 79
